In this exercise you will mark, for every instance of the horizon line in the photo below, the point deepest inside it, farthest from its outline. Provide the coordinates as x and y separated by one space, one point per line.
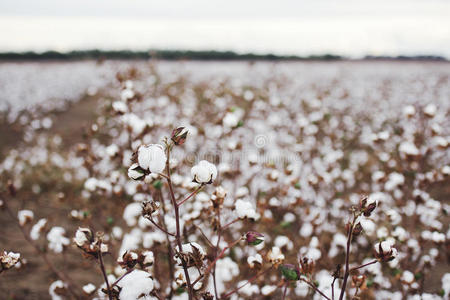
188 54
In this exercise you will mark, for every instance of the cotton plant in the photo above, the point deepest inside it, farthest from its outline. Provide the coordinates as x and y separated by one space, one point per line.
304 270
264 216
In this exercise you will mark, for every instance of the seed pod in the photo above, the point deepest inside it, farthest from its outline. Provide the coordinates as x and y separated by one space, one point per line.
179 135
254 238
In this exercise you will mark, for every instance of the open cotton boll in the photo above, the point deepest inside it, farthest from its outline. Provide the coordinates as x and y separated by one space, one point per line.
275 256
446 284
268 289
25 216
190 248
204 172
430 110
248 289
89 288
244 209
82 236
283 241
152 157
136 285
407 276
120 107
408 148
131 213
37 229
256 259
57 240
230 120
56 285
409 110
8 260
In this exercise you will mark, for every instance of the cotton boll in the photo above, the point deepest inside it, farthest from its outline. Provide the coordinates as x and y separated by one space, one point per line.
152 157
409 110
248 289
289 217
120 107
242 192
56 285
407 277
254 260
131 213
89 288
226 269
430 110
268 289
306 230
9 260
37 229
135 285
244 209
204 172
446 284
408 148
283 241
275 256
117 232
57 240
230 120
25 216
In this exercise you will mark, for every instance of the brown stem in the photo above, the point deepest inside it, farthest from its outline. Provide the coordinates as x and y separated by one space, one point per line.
362 266
177 220
230 223
159 227
332 288
169 246
61 275
215 251
121 277
347 257
285 290
191 194
102 267
248 281
314 288
215 260
162 175
204 236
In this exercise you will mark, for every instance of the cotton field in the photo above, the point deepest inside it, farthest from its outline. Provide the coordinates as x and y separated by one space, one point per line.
225 180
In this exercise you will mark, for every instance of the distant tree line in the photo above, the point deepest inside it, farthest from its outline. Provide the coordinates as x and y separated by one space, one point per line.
186 55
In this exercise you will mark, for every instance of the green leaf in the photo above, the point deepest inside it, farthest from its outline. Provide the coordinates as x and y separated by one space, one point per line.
180 291
289 272
157 184
418 275
285 224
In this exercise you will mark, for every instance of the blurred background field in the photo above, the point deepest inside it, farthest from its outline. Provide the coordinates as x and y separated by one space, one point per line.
302 106
54 108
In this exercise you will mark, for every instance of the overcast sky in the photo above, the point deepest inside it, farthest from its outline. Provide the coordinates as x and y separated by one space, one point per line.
346 27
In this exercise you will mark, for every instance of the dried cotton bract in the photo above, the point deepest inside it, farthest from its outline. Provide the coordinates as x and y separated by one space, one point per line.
385 252
8 260
275 256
